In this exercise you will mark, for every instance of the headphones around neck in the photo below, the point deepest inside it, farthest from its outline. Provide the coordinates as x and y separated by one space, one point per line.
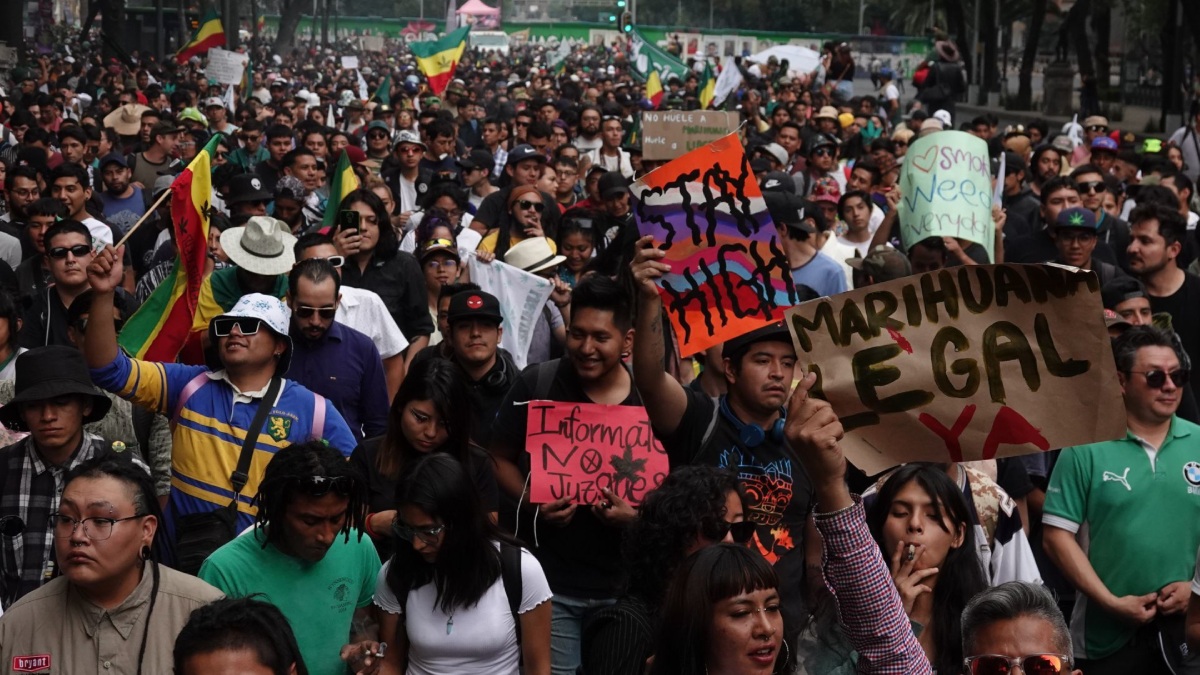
497 380
752 435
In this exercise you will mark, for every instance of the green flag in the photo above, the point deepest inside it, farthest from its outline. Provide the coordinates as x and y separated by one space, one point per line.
384 93
644 56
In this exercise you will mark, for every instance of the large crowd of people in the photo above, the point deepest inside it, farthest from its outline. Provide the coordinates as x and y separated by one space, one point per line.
333 475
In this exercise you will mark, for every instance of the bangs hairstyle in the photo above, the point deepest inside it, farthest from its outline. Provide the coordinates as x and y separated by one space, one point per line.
706 577
388 245
960 577
281 482
241 624
441 383
468 561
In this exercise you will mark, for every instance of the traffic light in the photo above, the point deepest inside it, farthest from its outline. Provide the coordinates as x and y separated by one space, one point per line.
621 4
626 22
612 18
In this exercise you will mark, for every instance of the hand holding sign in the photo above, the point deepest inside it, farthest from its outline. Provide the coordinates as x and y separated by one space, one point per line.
946 183
814 432
585 453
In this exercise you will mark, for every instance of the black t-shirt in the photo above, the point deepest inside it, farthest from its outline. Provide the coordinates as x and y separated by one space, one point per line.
583 559
382 490
779 494
1181 305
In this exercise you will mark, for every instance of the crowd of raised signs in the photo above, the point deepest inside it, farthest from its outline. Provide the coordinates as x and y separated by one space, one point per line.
338 473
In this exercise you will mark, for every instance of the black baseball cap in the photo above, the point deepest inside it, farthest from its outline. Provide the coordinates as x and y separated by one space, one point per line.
474 305
612 184
787 209
113 158
523 152
477 159
735 348
247 187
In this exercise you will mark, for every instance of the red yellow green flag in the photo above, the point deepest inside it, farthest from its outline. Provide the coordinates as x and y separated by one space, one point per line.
344 182
208 34
654 89
438 59
708 87
160 327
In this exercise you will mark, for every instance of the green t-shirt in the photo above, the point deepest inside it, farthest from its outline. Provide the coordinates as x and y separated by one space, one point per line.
318 599
1135 521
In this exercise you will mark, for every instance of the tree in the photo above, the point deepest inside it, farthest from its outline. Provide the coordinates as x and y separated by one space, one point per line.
290 12
1033 36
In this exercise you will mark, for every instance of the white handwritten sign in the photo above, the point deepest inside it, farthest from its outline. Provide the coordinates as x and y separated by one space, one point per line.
349 63
224 66
946 183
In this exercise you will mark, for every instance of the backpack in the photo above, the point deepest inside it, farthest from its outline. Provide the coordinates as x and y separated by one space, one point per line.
510 576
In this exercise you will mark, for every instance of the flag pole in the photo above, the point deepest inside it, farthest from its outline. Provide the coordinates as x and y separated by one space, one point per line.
154 207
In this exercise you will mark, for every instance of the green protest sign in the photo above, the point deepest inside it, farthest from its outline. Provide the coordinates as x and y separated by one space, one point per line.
947 186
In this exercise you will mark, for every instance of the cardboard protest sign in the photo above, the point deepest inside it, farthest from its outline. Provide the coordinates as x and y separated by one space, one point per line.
947 188
522 298
728 274
224 66
577 449
349 63
667 134
966 363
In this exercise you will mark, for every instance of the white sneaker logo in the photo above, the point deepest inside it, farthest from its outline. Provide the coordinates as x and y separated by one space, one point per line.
1123 479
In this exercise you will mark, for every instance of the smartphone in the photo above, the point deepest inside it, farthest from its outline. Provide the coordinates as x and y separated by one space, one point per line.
348 220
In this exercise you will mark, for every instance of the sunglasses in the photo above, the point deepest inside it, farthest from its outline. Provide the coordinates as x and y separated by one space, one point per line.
335 260
1034 664
223 326
1093 186
740 532
306 312
409 150
1157 379
78 250
222 155
428 535
900 144
1097 128
525 205
822 152
319 486
377 136
251 139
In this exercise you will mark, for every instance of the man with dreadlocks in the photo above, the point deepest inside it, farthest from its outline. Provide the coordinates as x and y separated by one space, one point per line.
307 555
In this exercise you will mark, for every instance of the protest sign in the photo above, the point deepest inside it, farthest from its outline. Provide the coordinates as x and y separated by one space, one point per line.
947 188
522 298
667 134
224 66
577 449
728 274
967 363
349 63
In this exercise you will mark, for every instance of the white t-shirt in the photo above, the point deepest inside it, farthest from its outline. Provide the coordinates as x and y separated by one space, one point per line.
840 252
483 639
408 195
365 312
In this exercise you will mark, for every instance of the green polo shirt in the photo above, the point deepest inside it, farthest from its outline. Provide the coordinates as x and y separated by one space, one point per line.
1136 521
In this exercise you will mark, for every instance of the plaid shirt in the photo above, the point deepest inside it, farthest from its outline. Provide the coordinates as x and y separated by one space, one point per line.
30 488
501 157
867 601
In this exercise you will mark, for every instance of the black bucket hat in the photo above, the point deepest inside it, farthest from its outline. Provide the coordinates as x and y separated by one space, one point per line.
49 372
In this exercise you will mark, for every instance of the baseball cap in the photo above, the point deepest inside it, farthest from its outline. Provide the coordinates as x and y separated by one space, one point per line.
473 305
164 128
1078 218
523 152
883 263
612 183
376 124
1012 164
193 115
1104 143
111 158
777 181
246 187
1096 121
826 190
760 165
409 137
787 209
214 102
477 159
776 151
1121 289
778 332
435 246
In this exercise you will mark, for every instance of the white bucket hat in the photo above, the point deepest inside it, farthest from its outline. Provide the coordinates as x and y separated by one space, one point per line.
533 255
263 246
274 314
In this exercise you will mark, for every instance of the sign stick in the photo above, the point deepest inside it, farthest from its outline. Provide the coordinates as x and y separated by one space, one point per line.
153 207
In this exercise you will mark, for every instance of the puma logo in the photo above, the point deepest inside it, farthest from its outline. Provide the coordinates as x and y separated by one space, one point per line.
1123 479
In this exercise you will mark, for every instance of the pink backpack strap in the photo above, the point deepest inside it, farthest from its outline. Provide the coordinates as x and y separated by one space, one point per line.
189 389
318 421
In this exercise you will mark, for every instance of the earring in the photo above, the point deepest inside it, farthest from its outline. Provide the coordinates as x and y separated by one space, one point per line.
144 553
787 658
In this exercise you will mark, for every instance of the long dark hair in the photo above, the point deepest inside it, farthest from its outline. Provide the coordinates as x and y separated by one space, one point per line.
960 577
705 578
388 244
238 624
441 383
137 478
690 503
468 561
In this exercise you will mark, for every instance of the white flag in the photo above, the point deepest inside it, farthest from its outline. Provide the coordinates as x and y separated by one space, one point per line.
522 298
230 99
362 86
727 82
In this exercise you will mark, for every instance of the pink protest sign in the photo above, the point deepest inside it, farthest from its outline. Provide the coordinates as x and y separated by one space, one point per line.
576 449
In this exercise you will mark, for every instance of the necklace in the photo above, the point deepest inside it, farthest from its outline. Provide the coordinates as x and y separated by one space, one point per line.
450 625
